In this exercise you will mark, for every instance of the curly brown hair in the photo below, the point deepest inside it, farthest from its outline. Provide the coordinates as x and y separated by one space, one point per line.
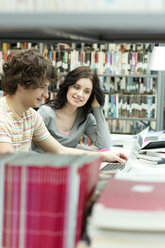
27 68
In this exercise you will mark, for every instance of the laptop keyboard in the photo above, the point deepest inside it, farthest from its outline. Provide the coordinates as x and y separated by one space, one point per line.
112 167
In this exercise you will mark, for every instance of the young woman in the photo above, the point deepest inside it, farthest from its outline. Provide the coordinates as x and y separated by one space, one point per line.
77 110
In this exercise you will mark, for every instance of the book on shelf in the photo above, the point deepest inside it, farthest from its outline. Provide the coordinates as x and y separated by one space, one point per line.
43 198
130 88
110 59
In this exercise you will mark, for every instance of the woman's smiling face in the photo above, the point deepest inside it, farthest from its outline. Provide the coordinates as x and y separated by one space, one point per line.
79 93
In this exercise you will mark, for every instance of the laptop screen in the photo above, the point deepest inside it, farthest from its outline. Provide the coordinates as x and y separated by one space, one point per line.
136 148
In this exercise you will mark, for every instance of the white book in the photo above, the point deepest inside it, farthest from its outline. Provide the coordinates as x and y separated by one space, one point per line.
150 158
157 153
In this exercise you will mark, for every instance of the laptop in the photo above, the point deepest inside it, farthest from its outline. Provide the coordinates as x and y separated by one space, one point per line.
110 168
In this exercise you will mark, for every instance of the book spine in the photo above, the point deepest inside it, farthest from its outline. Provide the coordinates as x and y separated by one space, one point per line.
7 224
73 194
33 206
16 206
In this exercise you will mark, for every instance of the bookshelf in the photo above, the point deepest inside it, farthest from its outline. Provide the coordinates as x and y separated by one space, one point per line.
131 102
131 91
123 75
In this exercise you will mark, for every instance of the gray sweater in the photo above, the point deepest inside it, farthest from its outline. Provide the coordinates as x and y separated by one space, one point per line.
95 127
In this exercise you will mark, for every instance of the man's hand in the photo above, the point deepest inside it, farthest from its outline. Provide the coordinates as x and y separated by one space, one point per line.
6 147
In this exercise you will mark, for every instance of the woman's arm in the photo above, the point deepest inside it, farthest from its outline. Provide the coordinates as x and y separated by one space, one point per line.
98 130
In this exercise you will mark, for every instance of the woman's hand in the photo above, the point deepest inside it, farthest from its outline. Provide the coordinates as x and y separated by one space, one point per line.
95 103
113 156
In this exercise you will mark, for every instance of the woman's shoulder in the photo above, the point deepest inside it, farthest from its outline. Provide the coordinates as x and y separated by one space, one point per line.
45 108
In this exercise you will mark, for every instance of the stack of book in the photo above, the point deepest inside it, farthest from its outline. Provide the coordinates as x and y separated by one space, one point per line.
128 214
43 198
153 151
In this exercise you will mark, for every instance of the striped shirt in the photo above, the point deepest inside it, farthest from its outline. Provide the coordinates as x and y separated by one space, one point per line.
20 131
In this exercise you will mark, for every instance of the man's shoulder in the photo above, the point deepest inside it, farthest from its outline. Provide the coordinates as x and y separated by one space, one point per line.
3 104
31 111
3 112
31 114
3 107
4 117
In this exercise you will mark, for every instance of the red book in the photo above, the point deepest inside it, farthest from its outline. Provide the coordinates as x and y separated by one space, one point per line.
89 174
5 54
55 206
7 214
54 57
45 198
131 205
16 185
33 211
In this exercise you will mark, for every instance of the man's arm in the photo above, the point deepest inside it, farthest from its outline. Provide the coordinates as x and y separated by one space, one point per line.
6 147
6 127
51 145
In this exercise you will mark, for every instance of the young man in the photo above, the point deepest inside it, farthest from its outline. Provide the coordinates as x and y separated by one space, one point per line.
27 75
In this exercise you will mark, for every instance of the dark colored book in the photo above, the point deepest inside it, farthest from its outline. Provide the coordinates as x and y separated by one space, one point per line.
153 144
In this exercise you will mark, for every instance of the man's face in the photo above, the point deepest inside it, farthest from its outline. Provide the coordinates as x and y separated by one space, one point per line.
34 97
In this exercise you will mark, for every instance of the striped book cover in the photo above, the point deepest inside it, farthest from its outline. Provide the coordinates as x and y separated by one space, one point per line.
43 198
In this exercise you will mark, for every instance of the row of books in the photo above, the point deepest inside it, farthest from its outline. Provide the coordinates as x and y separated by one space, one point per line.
110 62
121 84
123 47
130 106
153 149
43 198
29 6
129 126
104 61
129 85
99 6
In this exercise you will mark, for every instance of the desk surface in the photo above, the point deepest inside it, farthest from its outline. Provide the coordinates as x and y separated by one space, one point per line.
122 140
